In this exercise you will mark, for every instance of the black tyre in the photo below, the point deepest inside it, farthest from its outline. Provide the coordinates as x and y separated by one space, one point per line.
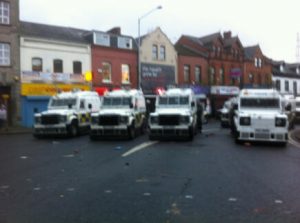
73 129
131 131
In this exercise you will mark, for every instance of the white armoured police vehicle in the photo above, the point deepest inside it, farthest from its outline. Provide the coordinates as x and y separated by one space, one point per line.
123 113
175 115
259 116
68 114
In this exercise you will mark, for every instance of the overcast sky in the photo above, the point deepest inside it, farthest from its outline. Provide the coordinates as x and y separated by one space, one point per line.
271 24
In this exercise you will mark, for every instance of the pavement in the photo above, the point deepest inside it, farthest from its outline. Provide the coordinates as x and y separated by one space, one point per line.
7 130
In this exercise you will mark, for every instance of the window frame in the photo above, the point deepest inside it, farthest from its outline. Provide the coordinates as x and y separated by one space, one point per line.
58 69
154 52
108 64
122 73
76 63
4 19
186 73
3 56
33 67
162 53
198 78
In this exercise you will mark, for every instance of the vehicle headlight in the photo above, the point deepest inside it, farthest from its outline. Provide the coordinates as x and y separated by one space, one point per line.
245 121
62 118
124 119
38 119
154 119
184 119
280 122
94 120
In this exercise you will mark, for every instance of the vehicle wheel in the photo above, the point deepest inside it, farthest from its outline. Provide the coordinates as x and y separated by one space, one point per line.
93 137
36 136
131 131
236 137
73 129
151 138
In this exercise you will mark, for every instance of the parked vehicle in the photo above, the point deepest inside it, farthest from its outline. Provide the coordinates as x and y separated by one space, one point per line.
225 112
123 113
297 114
68 114
175 115
258 116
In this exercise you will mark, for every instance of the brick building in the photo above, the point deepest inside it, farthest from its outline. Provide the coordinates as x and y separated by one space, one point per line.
10 58
114 60
257 69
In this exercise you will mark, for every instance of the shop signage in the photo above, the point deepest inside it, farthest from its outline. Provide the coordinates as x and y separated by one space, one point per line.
235 72
41 89
32 76
155 75
224 90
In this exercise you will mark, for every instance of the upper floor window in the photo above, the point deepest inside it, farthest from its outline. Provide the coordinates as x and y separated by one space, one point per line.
57 66
222 76
154 52
255 62
37 64
4 54
106 71
259 62
162 53
77 67
4 13
277 85
186 73
286 86
211 78
281 68
125 73
198 74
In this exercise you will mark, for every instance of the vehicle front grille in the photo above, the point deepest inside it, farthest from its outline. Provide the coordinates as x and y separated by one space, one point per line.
169 119
262 135
49 119
109 120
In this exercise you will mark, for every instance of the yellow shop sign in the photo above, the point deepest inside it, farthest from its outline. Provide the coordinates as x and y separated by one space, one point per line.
33 89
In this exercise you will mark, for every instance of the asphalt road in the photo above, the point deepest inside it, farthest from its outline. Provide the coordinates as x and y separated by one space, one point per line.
210 179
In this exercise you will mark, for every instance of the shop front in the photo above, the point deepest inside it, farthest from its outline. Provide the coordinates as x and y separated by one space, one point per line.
36 92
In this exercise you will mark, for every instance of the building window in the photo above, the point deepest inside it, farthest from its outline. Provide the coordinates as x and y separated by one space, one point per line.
211 78
277 85
4 54
154 52
106 72
37 64
255 62
162 53
4 12
222 76
295 88
125 73
186 74
198 74
251 78
259 62
57 66
286 86
77 67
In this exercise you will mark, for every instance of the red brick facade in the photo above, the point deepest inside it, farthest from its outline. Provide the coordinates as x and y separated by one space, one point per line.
115 57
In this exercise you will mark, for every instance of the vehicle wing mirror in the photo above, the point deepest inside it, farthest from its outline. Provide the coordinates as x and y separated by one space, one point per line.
69 106
131 105
90 106
193 104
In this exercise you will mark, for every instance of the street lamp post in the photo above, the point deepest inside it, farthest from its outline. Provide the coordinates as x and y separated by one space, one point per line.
139 42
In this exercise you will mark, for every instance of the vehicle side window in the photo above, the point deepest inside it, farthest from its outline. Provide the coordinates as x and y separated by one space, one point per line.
82 104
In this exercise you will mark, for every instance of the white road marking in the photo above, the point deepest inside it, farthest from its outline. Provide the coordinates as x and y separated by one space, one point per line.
138 148
278 201
23 157
232 199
